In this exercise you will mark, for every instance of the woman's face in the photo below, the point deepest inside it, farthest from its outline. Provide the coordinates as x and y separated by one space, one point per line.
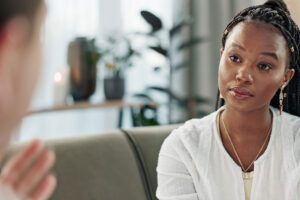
253 66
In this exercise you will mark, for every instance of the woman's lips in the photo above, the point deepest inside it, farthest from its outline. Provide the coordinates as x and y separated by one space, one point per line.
240 93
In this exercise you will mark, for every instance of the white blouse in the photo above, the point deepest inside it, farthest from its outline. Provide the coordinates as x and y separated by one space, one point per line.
194 165
247 176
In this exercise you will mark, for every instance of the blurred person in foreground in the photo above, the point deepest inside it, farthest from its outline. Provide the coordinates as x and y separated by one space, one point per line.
26 175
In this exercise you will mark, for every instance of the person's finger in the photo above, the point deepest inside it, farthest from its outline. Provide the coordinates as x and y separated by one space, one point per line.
45 188
35 174
13 170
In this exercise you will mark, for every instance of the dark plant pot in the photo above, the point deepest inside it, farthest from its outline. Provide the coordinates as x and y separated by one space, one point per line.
83 74
114 88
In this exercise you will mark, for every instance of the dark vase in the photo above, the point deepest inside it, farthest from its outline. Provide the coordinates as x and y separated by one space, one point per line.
83 72
114 88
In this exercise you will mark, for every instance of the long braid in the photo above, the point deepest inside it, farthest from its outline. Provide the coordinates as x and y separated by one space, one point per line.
275 12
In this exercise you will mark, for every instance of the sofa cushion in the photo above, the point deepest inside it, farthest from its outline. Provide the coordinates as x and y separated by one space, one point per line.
99 167
147 142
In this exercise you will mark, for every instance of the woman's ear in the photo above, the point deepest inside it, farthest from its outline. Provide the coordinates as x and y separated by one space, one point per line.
288 76
221 52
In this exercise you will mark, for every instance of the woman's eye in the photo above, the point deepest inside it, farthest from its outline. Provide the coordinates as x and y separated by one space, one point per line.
235 59
265 67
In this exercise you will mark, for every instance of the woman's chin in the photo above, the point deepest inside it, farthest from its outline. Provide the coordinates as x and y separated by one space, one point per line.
246 107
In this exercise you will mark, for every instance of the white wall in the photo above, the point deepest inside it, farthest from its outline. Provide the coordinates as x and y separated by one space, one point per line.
110 16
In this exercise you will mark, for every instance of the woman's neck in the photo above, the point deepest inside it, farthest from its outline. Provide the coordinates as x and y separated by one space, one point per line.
244 125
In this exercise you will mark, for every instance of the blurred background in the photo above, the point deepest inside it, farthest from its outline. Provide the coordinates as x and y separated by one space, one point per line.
122 63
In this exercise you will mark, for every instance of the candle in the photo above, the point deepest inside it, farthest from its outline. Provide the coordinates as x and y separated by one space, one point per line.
61 86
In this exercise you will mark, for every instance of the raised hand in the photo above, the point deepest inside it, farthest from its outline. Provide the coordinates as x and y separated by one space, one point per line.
26 175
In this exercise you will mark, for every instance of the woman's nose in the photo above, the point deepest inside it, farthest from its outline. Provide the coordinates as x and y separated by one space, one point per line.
244 75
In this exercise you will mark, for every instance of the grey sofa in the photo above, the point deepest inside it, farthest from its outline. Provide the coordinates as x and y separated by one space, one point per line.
118 165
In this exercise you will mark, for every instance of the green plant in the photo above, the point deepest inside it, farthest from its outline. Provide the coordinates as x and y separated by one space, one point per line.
164 49
117 54
93 55
144 116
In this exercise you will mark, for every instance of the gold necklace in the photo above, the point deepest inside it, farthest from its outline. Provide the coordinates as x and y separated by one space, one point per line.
235 152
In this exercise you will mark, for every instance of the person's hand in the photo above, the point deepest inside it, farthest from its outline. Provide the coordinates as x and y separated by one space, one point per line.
26 175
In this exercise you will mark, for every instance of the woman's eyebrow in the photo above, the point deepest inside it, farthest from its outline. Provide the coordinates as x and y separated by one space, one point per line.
238 46
273 55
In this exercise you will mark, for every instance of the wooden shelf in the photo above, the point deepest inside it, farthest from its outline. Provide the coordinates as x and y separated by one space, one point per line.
87 105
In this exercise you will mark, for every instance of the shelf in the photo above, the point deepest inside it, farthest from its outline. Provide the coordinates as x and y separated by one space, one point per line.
119 104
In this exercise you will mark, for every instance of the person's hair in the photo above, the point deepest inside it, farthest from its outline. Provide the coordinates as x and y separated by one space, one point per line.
275 12
13 8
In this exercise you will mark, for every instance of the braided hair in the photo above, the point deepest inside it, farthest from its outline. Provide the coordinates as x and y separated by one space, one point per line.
275 12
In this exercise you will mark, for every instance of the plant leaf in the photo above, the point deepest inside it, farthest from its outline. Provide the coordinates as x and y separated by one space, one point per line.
152 19
181 65
160 50
157 69
143 96
166 91
191 42
178 27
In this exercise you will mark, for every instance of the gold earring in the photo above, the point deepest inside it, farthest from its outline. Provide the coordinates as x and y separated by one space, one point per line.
281 99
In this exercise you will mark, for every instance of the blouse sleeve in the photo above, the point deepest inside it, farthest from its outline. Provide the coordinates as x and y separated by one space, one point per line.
174 179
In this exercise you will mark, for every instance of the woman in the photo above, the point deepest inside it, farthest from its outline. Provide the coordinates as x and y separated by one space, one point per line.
249 148
25 176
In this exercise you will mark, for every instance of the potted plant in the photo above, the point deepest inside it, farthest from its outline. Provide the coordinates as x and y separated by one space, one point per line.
114 85
118 56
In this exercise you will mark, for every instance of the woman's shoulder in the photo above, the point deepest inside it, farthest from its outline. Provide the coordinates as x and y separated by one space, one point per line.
291 129
195 126
191 133
291 122
190 140
291 119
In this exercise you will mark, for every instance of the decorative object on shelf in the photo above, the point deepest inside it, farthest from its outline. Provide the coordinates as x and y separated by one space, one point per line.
61 87
83 56
114 87
118 55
